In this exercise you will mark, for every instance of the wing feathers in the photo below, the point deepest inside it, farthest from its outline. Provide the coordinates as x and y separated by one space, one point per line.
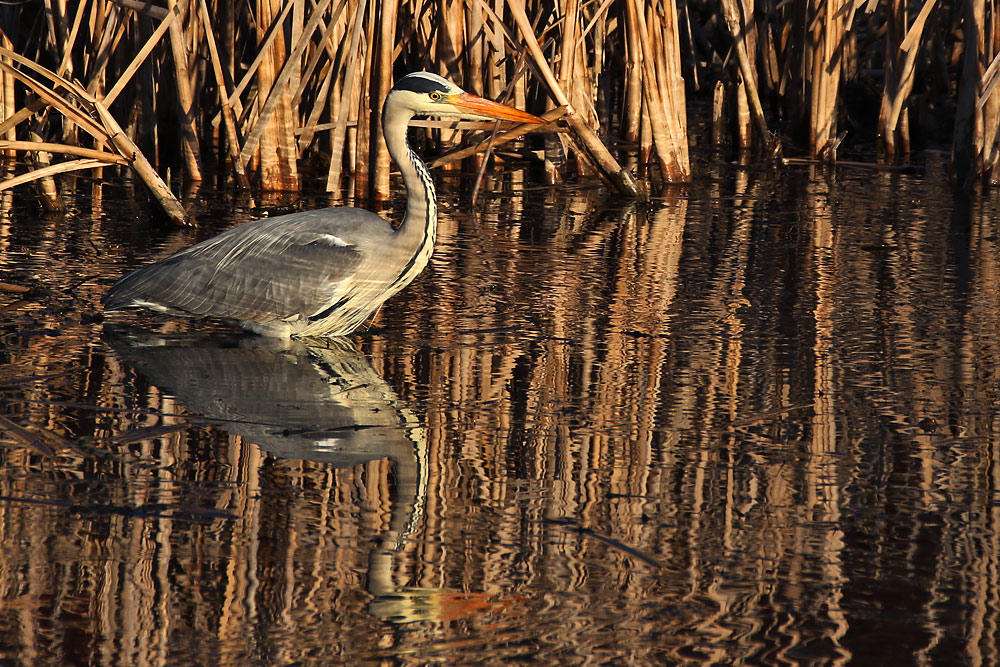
280 269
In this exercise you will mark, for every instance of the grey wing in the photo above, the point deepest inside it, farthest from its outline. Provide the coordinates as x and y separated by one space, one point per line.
277 269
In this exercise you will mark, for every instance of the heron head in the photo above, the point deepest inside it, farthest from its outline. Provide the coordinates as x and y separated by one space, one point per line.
428 94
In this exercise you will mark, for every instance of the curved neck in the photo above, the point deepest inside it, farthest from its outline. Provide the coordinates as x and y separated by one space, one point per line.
420 221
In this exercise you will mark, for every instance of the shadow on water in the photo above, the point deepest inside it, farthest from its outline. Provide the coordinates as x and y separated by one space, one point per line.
756 423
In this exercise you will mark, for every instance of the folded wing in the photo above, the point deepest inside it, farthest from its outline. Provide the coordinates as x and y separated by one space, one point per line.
281 269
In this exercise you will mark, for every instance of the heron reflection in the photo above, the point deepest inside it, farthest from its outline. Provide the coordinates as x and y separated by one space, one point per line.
318 403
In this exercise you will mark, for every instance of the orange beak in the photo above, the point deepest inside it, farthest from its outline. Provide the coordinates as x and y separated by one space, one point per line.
488 109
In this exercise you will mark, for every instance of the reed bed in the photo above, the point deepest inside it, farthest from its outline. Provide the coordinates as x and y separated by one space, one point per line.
270 92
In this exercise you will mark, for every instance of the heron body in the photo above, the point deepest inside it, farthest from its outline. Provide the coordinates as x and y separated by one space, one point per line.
322 272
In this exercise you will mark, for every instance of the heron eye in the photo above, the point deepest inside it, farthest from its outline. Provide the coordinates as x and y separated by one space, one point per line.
435 96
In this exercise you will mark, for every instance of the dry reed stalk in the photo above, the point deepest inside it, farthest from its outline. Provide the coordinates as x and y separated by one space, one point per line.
104 131
110 26
737 15
744 93
48 193
990 168
190 149
342 105
141 7
663 91
632 115
140 57
450 40
297 32
622 180
311 125
331 34
572 74
991 77
264 45
102 156
49 95
45 174
718 113
69 130
276 156
771 79
225 32
744 118
56 30
66 62
496 80
674 99
363 143
967 134
7 103
280 99
475 48
228 117
588 64
988 105
602 66
448 46
900 69
824 35
976 143
635 36
477 56
896 84
381 65
351 152
142 167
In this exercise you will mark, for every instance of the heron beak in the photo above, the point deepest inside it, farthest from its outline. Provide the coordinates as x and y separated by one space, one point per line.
484 108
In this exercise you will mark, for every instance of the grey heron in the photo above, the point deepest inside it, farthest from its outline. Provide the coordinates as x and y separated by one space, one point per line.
322 272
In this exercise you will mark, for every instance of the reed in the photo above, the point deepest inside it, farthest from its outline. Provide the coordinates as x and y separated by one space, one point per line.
900 69
825 31
977 123
258 91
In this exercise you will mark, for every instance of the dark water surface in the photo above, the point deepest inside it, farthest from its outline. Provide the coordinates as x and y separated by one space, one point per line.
754 423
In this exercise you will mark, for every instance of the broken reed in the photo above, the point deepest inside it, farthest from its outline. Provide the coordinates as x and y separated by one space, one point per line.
277 84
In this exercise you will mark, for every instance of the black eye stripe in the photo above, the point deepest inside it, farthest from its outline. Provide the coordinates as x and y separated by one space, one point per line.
420 84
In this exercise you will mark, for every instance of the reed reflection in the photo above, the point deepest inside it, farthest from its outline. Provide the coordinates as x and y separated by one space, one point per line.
738 429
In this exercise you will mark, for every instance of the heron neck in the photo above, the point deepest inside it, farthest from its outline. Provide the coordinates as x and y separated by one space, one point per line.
420 221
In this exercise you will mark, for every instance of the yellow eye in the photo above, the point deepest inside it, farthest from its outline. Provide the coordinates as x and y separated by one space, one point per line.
435 96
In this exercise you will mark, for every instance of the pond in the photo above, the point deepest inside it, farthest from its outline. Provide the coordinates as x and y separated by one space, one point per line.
753 422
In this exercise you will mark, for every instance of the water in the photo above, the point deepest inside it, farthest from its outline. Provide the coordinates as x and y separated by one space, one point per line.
755 422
